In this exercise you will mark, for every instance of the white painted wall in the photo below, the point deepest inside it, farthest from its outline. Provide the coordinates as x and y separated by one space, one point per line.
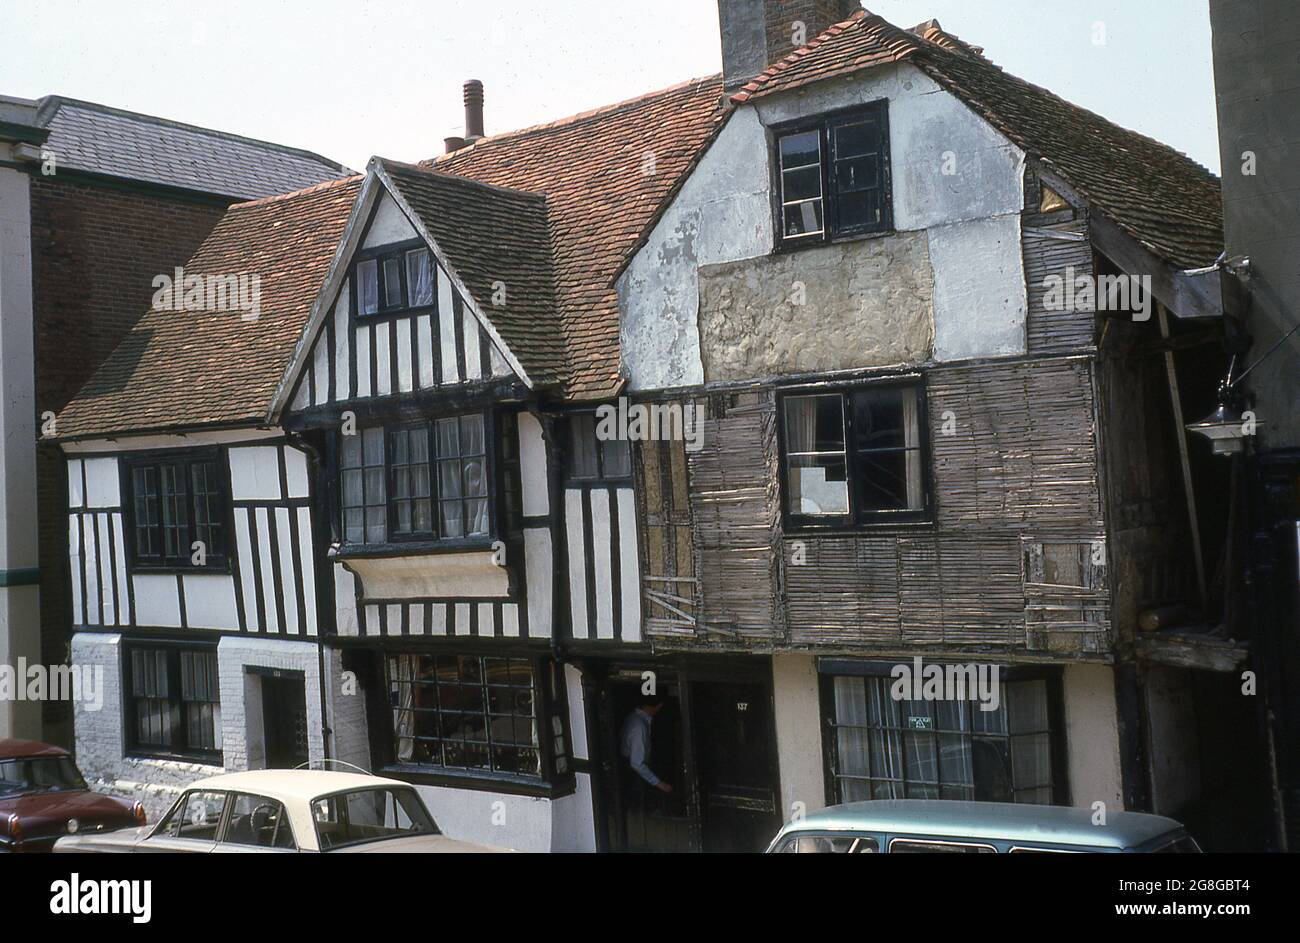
20 631
100 737
723 214
242 733
390 225
798 733
1092 736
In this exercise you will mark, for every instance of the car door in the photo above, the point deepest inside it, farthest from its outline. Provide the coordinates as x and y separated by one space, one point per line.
256 824
192 825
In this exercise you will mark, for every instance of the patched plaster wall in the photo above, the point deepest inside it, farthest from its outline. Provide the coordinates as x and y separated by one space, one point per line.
954 261
853 304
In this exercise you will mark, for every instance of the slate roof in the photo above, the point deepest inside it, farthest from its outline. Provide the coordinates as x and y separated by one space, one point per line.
1161 197
191 368
101 140
605 174
494 235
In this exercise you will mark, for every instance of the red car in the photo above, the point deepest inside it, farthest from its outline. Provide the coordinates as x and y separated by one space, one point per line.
44 797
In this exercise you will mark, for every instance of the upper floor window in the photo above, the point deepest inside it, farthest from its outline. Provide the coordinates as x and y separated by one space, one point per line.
854 456
394 280
178 511
417 481
593 459
833 177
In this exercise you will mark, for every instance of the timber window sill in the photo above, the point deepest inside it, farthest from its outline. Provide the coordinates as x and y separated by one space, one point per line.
408 548
418 775
787 246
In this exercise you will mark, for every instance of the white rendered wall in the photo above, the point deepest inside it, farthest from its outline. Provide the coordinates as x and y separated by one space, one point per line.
1092 736
797 702
724 214
20 632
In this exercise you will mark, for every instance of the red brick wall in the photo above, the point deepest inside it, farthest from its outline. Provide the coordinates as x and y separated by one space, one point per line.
95 252
816 16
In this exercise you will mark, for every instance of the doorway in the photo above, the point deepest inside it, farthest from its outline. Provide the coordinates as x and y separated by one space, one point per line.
735 752
713 741
284 719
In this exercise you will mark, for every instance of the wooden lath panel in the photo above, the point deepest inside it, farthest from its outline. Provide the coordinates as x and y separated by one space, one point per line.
1054 249
736 511
1024 447
669 576
1021 461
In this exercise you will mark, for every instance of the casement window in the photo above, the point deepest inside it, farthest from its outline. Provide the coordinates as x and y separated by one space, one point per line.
175 502
479 715
173 701
855 457
832 177
593 459
418 481
883 748
396 279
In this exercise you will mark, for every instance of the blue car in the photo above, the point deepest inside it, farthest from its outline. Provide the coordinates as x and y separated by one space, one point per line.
909 826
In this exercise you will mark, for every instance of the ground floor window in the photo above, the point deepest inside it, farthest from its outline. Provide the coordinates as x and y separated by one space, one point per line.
479 714
883 748
173 701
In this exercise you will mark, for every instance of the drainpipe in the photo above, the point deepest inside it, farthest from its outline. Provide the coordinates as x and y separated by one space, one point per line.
315 465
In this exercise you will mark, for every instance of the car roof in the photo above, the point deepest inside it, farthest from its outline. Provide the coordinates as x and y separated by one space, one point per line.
991 821
293 784
10 749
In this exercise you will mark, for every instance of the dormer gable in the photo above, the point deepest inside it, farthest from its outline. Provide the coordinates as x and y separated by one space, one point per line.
439 284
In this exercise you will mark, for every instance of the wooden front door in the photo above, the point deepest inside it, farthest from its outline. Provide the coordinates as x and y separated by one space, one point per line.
734 746
284 718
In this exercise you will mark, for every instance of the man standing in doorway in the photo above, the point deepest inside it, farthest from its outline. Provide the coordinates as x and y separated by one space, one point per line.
634 744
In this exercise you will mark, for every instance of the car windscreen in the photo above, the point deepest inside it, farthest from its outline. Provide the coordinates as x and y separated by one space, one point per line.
366 815
37 774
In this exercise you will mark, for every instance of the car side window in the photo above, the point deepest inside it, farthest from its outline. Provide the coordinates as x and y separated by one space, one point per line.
197 817
830 845
258 822
913 846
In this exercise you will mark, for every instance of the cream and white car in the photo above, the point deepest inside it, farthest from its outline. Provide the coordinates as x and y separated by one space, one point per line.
286 811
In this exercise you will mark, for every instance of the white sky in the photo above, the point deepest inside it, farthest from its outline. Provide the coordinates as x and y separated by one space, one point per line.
349 80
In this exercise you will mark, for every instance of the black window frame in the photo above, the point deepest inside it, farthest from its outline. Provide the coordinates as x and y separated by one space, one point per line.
217 554
379 255
499 522
178 746
833 229
601 477
857 518
829 669
557 764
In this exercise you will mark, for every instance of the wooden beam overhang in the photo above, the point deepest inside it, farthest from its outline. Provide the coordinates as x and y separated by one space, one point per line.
1198 651
1192 294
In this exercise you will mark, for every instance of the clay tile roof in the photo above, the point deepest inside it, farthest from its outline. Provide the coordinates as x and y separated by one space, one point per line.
98 139
194 368
1160 197
494 235
604 174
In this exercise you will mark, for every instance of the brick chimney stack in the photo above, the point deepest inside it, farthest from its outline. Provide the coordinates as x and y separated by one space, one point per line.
756 33
473 110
